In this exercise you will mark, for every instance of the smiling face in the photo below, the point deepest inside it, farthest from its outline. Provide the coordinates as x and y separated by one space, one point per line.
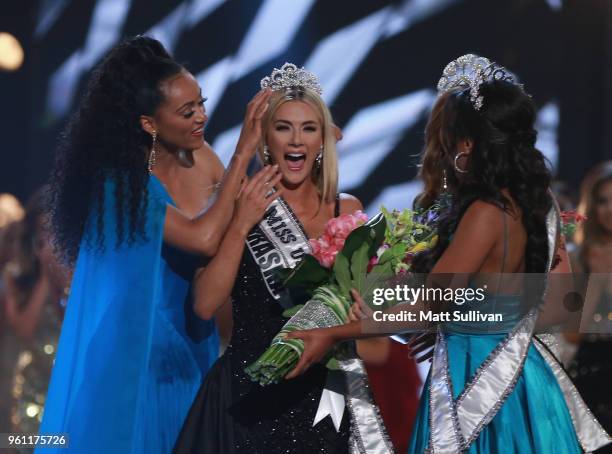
294 137
180 118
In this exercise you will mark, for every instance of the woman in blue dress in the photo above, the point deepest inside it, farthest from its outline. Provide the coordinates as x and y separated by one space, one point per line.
493 387
128 210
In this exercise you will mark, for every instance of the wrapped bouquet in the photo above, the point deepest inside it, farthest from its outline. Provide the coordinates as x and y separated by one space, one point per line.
352 253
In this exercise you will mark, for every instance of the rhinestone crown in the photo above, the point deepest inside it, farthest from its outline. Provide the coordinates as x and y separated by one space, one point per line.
289 77
471 71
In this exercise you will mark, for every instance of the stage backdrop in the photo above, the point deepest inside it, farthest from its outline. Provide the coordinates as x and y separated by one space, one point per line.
378 63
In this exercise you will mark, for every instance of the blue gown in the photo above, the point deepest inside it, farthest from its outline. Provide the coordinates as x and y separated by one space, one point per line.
497 387
533 418
132 354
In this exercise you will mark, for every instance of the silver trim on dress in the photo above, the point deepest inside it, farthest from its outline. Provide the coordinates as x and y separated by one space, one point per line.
495 380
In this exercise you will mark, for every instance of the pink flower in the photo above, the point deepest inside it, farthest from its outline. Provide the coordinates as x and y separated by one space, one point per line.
327 258
332 241
338 243
572 216
316 246
344 224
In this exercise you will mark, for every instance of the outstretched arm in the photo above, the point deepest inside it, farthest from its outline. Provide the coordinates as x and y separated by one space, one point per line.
202 234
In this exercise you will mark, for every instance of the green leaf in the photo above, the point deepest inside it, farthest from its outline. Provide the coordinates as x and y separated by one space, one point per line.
393 253
379 226
288 313
372 233
284 273
359 266
342 273
308 273
376 278
355 239
333 364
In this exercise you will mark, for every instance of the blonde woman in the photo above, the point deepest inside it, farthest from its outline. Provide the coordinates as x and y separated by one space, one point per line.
230 413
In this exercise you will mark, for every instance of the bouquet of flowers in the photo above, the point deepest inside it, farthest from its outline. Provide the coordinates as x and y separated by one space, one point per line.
569 222
352 253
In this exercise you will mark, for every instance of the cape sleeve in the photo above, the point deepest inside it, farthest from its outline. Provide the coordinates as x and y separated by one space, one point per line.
106 337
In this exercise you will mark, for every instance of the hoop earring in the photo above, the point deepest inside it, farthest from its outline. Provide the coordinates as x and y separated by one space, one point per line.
457 156
319 159
152 155
267 158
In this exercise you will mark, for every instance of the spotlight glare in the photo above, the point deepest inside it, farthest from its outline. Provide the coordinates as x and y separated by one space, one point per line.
11 52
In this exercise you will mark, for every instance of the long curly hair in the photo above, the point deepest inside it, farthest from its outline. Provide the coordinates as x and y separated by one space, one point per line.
104 141
503 156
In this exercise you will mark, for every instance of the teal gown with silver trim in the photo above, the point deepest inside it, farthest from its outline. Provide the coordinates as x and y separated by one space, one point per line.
500 389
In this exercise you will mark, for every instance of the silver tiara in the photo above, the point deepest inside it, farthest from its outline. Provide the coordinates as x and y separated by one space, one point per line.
471 71
290 76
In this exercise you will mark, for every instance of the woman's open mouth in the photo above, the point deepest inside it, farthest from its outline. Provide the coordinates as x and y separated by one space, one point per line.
295 161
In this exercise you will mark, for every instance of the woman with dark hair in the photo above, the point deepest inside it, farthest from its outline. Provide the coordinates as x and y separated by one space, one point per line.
591 369
128 209
493 387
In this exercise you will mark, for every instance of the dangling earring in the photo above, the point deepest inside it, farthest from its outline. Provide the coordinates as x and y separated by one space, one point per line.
457 156
267 157
444 181
152 154
319 158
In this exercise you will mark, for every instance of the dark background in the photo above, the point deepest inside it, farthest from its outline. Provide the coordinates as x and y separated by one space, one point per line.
378 62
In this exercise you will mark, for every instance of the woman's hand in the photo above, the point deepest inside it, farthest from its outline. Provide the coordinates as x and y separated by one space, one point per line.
359 309
317 342
374 351
250 135
255 196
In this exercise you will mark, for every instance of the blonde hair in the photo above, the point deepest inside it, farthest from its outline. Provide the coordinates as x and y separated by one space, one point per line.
590 231
326 178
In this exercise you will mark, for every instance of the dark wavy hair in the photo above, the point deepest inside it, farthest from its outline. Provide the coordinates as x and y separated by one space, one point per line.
503 156
104 141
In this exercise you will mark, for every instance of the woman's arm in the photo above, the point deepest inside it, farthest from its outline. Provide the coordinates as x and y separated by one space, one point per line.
24 322
213 284
225 324
202 234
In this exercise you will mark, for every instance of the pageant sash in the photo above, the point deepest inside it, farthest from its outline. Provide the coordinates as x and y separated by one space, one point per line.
368 433
588 430
278 241
456 424
332 401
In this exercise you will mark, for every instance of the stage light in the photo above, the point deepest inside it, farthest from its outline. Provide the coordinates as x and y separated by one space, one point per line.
11 52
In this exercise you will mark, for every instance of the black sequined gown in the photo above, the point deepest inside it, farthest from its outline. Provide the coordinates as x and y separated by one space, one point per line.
233 415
